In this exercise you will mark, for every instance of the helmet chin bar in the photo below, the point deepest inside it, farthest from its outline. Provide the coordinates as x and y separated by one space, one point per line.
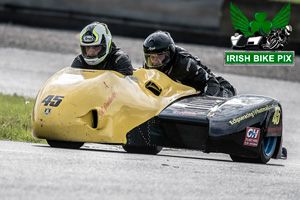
92 61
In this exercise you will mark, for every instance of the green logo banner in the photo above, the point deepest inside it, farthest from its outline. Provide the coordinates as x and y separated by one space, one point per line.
260 24
240 58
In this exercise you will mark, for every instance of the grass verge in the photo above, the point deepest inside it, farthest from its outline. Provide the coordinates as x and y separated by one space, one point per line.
15 119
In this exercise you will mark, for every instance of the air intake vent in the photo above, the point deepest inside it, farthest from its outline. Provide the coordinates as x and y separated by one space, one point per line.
95 119
154 88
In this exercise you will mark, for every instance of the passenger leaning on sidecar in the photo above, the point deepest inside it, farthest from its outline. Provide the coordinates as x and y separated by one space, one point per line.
161 53
99 52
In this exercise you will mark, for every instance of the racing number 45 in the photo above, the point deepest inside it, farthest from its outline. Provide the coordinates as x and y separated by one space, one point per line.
52 100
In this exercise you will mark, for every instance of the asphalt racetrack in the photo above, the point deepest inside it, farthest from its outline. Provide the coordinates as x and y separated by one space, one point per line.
36 171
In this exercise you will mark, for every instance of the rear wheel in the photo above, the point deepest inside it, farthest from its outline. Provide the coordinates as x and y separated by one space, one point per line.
142 150
267 150
65 144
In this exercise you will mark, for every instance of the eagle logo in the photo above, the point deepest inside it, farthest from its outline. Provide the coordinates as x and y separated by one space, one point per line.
260 25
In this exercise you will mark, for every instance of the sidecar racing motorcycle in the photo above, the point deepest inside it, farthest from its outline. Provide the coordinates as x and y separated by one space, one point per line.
147 111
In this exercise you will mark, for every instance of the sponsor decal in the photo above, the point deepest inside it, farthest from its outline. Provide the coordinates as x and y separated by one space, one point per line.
105 84
252 137
269 37
88 38
110 99
251 114
47 111
274 131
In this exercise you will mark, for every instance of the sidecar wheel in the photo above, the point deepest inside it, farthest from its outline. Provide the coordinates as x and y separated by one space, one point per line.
142 150
266 152
65 144
267 149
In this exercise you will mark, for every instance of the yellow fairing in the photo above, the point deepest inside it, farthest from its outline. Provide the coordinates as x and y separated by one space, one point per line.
101 106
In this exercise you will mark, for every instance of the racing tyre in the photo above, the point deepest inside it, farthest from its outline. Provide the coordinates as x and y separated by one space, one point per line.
65 144
142 150
267 150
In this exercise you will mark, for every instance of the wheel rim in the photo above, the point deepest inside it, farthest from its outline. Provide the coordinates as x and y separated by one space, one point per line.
269 145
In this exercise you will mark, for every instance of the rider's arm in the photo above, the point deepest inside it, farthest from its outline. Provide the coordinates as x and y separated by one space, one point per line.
122 63
201 79
78 62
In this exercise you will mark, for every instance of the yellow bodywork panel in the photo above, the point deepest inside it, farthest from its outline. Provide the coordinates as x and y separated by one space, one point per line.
101 106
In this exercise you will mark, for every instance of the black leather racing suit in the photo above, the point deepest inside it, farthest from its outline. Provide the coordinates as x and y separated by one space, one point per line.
189 70
116 60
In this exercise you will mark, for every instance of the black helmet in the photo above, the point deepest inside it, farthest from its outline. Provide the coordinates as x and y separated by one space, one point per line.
158 43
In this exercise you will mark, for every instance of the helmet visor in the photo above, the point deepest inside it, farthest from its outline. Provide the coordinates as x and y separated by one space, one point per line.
91 52
156 60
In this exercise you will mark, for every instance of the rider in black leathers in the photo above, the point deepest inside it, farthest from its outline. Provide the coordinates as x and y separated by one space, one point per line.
99 52
161 53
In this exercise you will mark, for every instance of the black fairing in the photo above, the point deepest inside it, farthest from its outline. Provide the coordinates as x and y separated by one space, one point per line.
229 122
212 124
185 121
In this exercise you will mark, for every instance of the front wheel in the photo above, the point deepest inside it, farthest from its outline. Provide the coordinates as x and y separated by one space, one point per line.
142 150
65 144
266 152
